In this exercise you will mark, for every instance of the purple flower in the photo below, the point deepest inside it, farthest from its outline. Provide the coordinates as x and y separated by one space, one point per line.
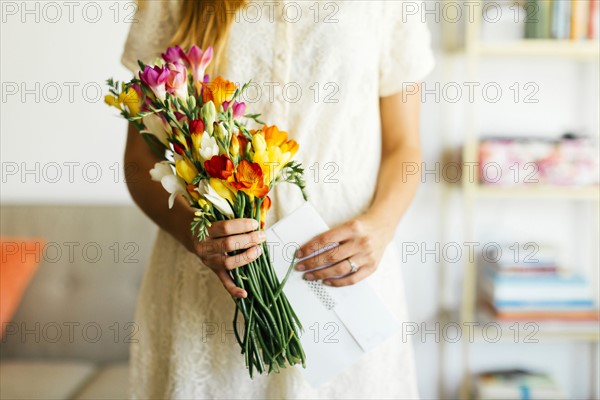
238 108
174 54
155 78
198 61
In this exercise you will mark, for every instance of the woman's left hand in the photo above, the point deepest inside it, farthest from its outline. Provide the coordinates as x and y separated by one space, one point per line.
362 242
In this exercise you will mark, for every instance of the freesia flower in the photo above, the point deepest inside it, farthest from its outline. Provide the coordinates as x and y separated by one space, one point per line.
250 180
259 143
163 173
131 100
277 138
210 194
224 189
156 77
219 90
186 170
238 108
196 126
128 98
272 150
158 127
234 146
219 167
208 147
160 170
174 54
113 101
177 80
198 61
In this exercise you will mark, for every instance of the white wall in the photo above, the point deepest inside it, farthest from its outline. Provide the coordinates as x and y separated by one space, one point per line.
56 124
79 134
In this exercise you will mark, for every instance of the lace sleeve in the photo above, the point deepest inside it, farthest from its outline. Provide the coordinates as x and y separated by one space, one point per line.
149 35
406 54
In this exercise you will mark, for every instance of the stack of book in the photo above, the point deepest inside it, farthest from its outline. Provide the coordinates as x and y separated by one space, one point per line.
536 290
516 384
561 19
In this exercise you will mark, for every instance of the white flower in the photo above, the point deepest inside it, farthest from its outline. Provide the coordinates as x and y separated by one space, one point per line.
163 173
212 196
160 170
157 127
208 147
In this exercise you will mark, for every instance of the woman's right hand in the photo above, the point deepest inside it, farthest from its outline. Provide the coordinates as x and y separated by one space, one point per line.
225 237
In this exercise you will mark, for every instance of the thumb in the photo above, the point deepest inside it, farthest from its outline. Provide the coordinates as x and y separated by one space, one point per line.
230 285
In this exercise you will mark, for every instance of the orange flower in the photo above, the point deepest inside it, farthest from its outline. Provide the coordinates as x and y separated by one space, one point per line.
249 179
191 189
219 91
275 137
264 208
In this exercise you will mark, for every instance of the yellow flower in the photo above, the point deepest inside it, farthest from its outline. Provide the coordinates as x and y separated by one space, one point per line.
186 170
113 101
128 98
131 100
272 151
222 189
234 146
258 143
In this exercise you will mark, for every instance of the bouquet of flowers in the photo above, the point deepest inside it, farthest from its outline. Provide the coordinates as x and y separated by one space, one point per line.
225 170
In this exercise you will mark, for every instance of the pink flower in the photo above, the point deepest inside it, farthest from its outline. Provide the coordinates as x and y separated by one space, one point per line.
177 79
155 78
198 61
238 108
174 54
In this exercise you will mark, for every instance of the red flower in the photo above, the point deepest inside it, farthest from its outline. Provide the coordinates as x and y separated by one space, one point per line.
197 126
219 167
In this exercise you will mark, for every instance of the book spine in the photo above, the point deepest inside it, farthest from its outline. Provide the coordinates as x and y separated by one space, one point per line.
574 19
557 20
579 19
531 19
545 19
593 20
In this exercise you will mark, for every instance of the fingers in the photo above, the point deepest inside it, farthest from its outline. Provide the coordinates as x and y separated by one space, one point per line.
337 270
351 279
237 242
228 262
330 256
232 227
335 235
230 286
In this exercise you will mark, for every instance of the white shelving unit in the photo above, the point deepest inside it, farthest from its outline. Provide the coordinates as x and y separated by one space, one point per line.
474 50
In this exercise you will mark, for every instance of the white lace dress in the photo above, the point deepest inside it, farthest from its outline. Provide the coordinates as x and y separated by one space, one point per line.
319 69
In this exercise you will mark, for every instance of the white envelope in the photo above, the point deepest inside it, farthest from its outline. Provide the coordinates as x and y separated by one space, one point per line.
340 324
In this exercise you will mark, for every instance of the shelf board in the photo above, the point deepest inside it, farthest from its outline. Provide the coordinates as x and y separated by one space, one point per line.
585 49
543 330
540 330
537 192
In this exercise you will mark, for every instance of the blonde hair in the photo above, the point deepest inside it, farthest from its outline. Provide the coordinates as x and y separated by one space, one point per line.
206 23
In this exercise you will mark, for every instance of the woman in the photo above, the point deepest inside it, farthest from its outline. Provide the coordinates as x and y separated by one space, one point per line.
331 74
